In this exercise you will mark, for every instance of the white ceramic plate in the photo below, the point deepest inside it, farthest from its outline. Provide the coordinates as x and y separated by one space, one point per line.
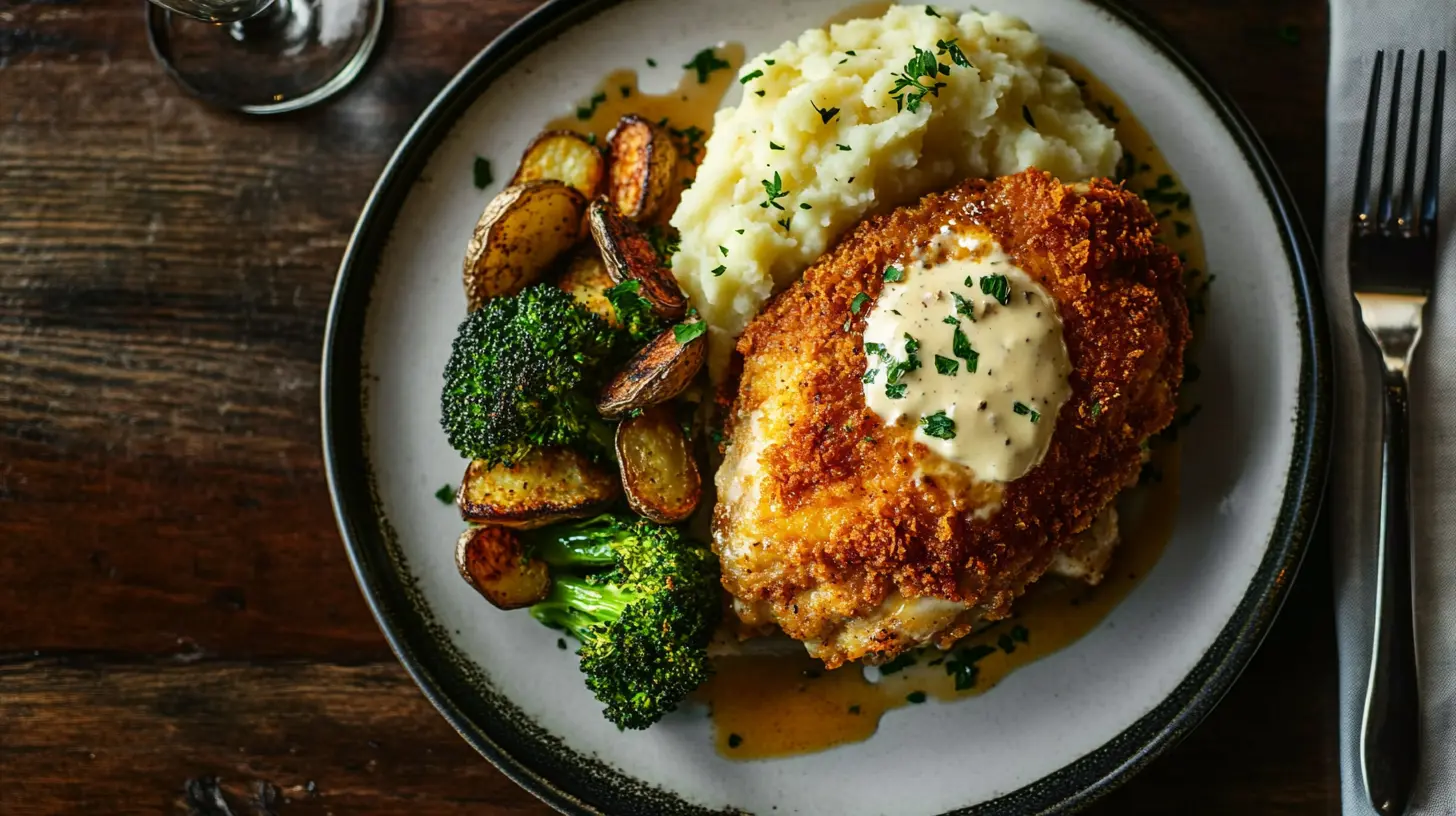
1051 736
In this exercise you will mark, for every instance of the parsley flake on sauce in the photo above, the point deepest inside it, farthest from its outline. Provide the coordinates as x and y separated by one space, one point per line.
446 494
858 303
916 697
483 176
998 287
964 307
585 112
869 376
938 425
1025 410
705 62
961 347
947 365
895 391
962 664
719 270
894 274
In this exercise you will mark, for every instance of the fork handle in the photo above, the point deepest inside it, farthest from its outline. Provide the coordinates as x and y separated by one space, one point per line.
1389 739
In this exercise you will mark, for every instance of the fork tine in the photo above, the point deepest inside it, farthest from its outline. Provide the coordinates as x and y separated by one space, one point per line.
1431 187
1405 219
1367 144
1387 172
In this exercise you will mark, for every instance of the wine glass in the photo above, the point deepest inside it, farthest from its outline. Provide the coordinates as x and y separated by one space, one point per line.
264 56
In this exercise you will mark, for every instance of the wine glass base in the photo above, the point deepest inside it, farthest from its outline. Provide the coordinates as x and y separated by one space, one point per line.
294 54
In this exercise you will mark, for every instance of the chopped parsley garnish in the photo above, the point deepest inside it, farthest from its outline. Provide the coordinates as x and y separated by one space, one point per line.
1096 409
954 321
1026 114
900 368
705 62
688 332
956 54
962 665
561 643
775 146
938 425
483 176
931 12
719 270
876 349
1108 112
758 93
895 391
734 740
628 303
1181 228
854 709
750 76
1020 634
825 114
739 231
446 494
947 365
964 306
775 191
894 274
858 303
804 205
651 63
909 91
998 287
842 147
961 347
723 250
916 697
1025 410
904 661
626 91
1006 643
585 112
786 222
665 242
869 375
768 62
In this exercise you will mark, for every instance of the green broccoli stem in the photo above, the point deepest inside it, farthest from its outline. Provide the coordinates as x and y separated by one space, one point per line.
584 545
577 605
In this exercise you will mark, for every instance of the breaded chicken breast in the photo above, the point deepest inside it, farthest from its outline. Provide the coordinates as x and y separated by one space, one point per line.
857 539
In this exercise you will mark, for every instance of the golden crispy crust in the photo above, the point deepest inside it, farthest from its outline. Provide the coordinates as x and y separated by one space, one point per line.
839 517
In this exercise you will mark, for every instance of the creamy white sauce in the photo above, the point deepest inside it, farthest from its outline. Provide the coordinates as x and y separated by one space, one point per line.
998 419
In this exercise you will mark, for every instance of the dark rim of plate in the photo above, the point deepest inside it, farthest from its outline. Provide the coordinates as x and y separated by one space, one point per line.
573 783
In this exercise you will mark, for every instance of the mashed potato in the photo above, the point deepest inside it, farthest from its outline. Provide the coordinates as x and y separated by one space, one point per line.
829 130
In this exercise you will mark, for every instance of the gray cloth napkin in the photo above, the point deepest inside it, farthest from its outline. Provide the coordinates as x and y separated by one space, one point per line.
1357 29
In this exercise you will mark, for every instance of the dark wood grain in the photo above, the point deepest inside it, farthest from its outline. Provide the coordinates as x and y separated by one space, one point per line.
183 631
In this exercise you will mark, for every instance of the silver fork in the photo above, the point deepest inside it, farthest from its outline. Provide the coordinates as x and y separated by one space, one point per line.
1392 272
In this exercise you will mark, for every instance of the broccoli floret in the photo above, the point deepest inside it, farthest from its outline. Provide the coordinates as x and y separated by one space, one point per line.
643 600
523 374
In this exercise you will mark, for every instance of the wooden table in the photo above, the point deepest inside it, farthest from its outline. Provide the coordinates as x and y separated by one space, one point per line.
179 629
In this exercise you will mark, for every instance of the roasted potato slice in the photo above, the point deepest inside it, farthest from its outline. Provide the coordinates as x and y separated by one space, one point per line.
545 487
658 469
523 230
587 281
654 375
629 255
492 560
564 156
643 162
